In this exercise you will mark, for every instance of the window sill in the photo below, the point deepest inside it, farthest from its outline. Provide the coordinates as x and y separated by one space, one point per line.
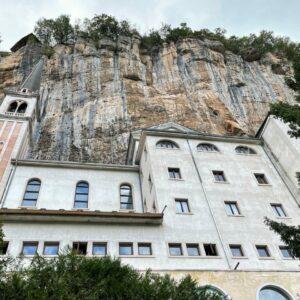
158 148
83 209
48 255
284 218
222 182
239 257
288 258
183 213
262 184
176 179
27 207
246 154
211 152
136 256
236 216
193 257
266 258
126 210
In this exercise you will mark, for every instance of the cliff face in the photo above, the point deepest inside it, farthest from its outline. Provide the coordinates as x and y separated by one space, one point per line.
92 98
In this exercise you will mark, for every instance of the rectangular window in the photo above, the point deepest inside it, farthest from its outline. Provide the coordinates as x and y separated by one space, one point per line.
193 249
285 251
80 248
232 208
210 249
3 248
174 173
29 248
175 249
182 205
126 249
99 249
263 251
219 176
261 178
236 250
150 182
51 248
298 177
144 249
278 210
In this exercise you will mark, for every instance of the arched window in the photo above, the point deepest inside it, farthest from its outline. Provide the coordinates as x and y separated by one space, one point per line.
126 197
81 195
31 193
244 150
22 108
273 293
13 107
166 145
206 147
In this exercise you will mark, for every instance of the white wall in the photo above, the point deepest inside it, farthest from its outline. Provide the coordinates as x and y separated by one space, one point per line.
58 187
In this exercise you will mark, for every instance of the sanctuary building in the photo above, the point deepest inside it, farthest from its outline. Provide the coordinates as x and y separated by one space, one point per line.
184 203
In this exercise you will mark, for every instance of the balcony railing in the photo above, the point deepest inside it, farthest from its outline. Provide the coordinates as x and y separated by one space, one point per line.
14 114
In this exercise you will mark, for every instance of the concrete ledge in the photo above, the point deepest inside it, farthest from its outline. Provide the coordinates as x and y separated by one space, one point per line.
72 165
113 217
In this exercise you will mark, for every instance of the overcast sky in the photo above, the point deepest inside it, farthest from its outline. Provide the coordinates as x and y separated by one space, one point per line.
17 17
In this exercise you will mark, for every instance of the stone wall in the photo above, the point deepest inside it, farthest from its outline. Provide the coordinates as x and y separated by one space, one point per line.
92 97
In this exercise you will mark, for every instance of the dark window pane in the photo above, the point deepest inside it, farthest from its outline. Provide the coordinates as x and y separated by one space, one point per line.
210 249
278 210
33 188
80 248
219 176
261 178
99 249
79 204
125 249
51 248
82 190
175 249
144 249
271 293
80 197
3 249
285 251
28 203
30 196
29 248
166 144
236 250
182 205
126 199
207 148
262 251
193 249
126 206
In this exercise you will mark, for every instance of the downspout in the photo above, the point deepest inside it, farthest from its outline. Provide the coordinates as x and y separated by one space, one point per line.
209 205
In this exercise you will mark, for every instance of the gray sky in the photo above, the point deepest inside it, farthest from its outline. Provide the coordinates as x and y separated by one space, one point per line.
17 17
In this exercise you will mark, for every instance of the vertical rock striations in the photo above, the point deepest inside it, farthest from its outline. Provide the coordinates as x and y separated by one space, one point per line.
92 98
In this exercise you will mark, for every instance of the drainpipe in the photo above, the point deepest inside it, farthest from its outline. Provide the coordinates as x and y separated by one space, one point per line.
209 205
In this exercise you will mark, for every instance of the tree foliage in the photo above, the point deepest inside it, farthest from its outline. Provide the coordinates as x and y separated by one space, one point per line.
70 276
290 235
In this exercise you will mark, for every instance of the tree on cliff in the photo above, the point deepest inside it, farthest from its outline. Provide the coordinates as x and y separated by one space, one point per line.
57 30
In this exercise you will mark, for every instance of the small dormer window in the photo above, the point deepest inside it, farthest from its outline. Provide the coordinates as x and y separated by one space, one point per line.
24 91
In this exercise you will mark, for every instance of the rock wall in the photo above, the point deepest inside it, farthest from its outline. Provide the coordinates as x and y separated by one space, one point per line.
91 98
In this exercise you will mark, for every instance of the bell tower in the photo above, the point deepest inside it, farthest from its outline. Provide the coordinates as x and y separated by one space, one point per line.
18 114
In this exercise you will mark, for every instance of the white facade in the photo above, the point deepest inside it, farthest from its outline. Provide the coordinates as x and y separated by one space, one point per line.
207 222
